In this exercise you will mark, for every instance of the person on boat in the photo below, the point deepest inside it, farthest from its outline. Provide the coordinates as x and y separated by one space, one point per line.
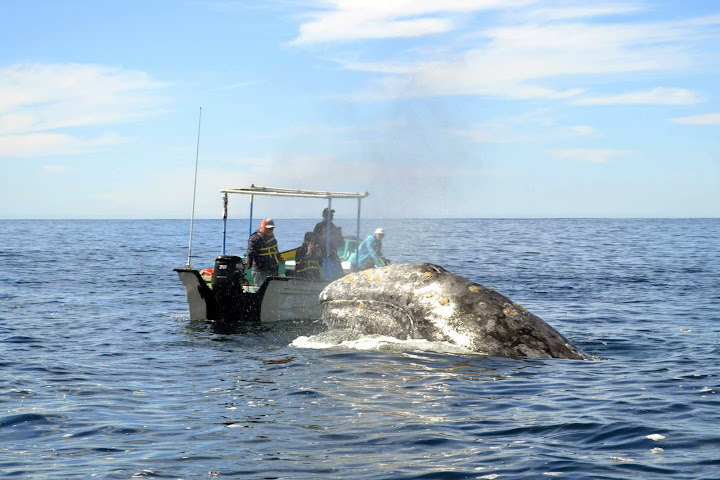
308 258
369 252
320 231
332 265
262 254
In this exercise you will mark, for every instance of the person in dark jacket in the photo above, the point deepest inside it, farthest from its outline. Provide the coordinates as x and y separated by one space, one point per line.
331 263
320 231
308 258
262 254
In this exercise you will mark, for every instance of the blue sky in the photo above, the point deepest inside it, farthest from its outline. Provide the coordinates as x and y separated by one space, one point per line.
438 108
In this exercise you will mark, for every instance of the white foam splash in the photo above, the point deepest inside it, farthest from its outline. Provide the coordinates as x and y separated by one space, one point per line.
344 339
655 437
307 342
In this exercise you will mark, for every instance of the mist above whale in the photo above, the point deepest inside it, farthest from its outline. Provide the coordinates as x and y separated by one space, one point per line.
425 301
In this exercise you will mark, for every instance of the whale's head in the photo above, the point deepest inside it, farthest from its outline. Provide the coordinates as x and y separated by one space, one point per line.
421 300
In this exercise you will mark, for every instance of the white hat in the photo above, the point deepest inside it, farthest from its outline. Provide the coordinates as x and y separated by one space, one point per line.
269 223
380 231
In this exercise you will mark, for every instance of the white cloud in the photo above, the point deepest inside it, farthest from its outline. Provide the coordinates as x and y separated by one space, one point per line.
704 119
564 13
533 126
583 130
47 144
478 134
521 58
506 131
367 19
57 169
588 155
517 61
238 85
37 100
656 96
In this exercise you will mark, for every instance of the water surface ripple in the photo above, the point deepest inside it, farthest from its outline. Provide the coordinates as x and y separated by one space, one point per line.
103 375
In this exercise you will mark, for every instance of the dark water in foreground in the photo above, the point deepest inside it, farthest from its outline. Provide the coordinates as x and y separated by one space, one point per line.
103 376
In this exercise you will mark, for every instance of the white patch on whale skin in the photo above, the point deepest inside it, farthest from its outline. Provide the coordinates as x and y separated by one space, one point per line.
441 311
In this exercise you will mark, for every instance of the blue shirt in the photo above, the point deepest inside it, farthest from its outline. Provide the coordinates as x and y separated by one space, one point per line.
369 253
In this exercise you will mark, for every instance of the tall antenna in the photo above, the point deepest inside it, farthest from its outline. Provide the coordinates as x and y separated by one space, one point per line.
192 217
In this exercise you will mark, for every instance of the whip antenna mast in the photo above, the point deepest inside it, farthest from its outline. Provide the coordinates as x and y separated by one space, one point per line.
192 216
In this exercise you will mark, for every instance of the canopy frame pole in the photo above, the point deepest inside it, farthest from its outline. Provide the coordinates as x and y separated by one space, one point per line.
327 228
358 227
225 214
251 217
358 218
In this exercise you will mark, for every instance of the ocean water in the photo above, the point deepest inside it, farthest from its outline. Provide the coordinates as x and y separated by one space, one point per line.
102 375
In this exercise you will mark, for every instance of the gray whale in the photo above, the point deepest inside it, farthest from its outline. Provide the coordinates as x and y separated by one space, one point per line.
421 300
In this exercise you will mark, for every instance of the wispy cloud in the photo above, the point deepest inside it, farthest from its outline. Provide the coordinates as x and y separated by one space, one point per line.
703 119
656 96
521 57
336 131
517 61
582 11
345 20
588 155
37 101
52 144
533 126
583 131
502 132
238 85
478 134
57 169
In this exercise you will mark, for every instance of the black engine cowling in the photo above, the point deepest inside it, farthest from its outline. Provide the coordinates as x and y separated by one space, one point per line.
227 281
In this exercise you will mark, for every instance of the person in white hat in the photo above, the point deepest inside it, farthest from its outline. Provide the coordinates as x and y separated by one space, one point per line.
262 254
369 253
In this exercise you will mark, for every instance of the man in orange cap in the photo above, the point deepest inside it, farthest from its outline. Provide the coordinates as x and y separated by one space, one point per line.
262 253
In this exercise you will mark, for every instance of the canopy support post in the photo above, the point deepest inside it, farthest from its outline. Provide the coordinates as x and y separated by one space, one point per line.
225 213
250 220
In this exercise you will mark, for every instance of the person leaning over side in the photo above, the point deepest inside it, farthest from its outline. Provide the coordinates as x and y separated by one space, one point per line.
262 254
308 258
369 253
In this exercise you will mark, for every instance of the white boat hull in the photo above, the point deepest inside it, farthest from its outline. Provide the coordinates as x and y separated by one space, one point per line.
292 298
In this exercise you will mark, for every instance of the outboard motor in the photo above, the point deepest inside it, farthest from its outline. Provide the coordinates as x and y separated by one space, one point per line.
227 281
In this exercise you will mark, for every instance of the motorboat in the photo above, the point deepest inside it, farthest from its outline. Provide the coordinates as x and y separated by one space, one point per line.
226 293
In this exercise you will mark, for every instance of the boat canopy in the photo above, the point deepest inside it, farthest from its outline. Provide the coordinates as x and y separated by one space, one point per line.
287 192
253 190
